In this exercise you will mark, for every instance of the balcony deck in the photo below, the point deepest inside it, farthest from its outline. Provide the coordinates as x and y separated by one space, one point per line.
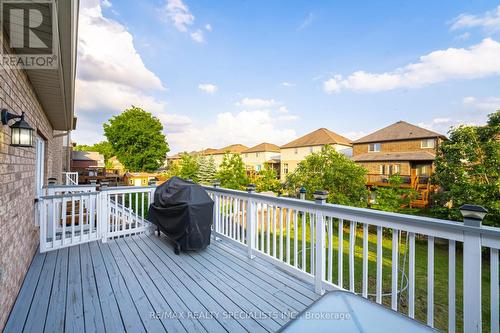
138 284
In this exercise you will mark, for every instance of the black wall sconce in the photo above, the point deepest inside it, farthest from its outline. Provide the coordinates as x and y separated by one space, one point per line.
21 134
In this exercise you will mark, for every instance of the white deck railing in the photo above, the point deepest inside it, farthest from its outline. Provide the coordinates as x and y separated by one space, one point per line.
307 238
314 241
71 215
70 178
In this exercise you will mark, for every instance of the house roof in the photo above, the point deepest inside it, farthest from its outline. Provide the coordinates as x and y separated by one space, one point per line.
236 148
262 148
403 156
174 157
55 87
400 130
86 156
208 151
320 136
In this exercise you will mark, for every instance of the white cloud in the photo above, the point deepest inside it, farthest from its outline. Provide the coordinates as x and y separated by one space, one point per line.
197 36
287 84
208 88
488 104
489 21
106 3
477 61
111 74
208 27
245 127
257 103
283 109
179 14
463 37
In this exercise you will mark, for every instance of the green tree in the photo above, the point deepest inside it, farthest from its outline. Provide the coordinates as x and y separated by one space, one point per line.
393 198
468 170
331 171
103 147
188 166
206 170
137 139
232 173
266 180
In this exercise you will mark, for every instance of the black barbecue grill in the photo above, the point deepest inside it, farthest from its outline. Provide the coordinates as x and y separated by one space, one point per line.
183 211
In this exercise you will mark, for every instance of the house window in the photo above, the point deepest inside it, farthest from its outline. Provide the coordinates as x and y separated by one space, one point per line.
285 168
311 149
382 169
246 155
428 143
131 181
296 151
374 147
258 167
397 168
256 154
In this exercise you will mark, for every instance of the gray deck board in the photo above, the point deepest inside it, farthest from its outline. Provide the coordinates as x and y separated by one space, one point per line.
57 306
74 297
138 284
91 306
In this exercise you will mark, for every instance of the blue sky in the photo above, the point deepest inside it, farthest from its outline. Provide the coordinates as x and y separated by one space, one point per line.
221 72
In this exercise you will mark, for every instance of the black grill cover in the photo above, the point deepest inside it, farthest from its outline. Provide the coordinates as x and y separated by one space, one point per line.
183 211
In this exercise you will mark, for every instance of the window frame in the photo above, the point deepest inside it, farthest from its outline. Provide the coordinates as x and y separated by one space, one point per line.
375 144
427 141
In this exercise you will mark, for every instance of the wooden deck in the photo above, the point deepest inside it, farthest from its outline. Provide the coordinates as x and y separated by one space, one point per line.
138 284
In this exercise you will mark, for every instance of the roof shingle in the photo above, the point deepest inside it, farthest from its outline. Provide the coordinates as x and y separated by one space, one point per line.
400 130
321 136
263 147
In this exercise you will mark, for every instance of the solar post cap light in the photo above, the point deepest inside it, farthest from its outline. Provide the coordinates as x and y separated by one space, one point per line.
21 134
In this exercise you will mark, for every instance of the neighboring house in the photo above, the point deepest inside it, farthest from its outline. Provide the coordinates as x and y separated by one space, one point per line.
257 157
115 166
218 154
400 148
172 160
297 150
81 161
46 96
139 178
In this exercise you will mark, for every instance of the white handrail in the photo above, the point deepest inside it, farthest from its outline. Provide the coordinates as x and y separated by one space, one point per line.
263 219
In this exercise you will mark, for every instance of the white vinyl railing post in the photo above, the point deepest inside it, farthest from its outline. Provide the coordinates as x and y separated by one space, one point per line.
216 220
320 259
251 222
103 215
473 216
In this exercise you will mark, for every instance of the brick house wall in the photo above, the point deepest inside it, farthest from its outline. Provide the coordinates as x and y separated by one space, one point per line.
394 146
19 237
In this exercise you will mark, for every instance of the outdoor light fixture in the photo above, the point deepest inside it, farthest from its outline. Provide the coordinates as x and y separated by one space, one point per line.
320 195
473 215
21 134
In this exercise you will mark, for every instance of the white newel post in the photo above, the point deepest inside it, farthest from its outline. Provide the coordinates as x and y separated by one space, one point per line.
319 272
102 217
473 216
216 221
251 222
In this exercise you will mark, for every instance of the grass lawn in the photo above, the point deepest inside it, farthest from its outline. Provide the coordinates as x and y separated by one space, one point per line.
440 271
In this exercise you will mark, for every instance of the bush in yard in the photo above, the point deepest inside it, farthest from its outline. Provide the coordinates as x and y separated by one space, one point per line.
468 170
331 171
137 139
393 198
232 173
188 167
266 180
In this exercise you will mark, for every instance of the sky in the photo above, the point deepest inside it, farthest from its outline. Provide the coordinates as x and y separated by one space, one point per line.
250 71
